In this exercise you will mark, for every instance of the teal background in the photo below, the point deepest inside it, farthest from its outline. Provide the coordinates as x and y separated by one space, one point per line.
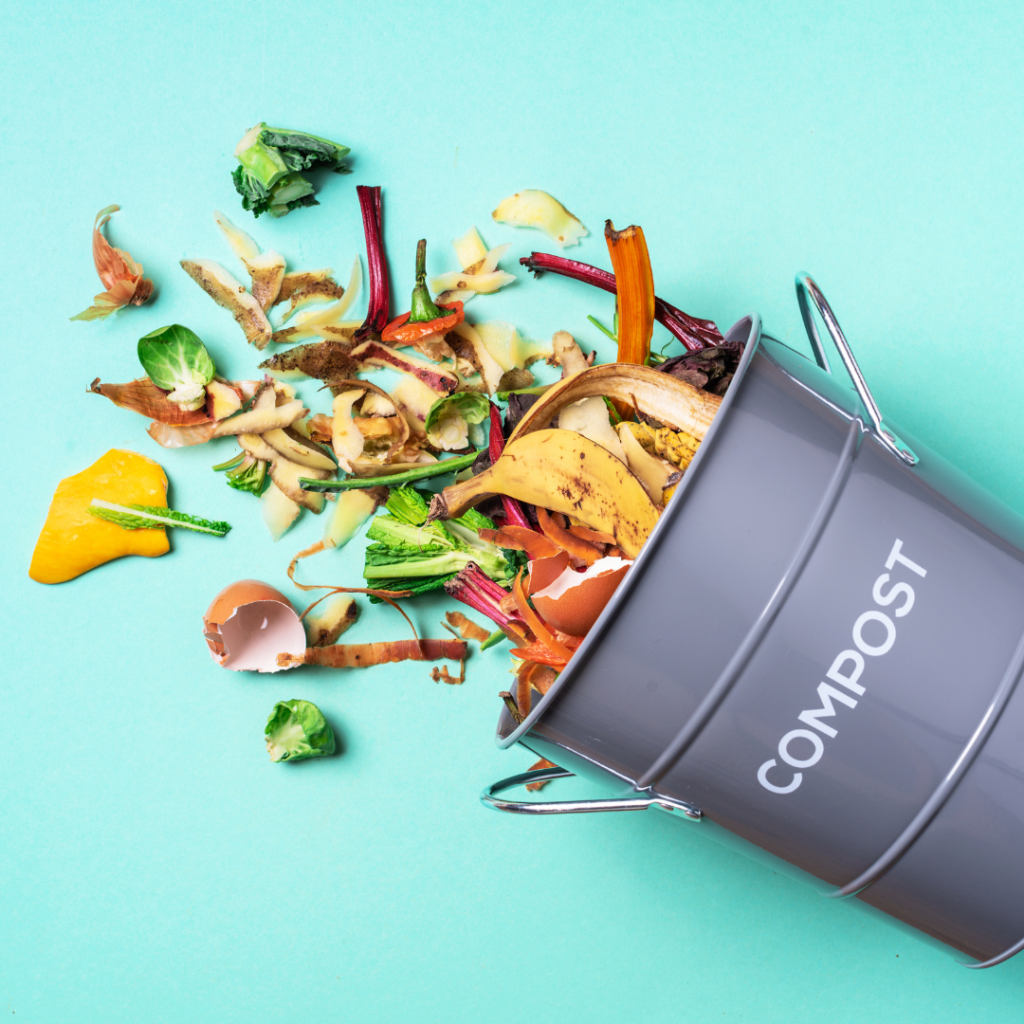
154 865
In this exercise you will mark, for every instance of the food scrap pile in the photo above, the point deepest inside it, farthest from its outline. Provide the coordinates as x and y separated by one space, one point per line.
550 490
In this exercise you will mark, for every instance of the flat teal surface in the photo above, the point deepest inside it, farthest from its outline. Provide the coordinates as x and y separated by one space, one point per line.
154 865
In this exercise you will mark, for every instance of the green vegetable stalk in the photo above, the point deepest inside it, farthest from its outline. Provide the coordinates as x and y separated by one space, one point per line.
297 730
176 360
408 553
245 473
271 160
153 517
415 472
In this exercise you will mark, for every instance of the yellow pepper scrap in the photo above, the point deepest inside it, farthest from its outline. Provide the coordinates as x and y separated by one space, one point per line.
72 541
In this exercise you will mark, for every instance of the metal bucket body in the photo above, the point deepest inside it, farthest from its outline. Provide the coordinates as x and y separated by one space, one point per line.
819 648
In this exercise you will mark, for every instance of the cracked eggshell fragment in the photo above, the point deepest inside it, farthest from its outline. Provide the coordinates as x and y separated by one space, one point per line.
248 624
573 602
532 208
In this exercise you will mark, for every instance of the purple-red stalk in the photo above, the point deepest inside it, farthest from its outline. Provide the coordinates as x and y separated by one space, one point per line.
481 593
377 310
514 514
693 333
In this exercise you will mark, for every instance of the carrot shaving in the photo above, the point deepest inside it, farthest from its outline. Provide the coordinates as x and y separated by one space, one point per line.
576 547
387 596
467 628
541 654
592 536
536 624
520 538
532 675
523 698
537 766
442 675
634 285
305 553
383 653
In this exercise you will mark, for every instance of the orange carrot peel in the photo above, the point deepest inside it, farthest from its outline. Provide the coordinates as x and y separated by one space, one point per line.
634 284
557 534
536 624
521 538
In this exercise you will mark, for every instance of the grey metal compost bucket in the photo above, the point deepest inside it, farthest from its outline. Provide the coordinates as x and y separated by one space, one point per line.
818 649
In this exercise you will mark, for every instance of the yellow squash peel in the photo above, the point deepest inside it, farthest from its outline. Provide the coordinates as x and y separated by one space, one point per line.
72 541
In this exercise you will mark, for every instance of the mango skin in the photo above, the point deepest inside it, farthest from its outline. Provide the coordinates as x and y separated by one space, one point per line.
73 542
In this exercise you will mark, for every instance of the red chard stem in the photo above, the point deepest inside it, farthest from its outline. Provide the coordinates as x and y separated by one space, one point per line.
514 514
377 311
693 333
472 587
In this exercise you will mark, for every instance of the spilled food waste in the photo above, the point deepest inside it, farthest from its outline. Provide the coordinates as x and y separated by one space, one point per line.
526 501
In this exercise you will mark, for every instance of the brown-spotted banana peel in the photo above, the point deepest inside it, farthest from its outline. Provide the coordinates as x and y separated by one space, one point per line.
659 395
563 472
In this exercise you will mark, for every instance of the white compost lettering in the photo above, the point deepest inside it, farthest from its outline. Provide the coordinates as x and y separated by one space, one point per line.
846 669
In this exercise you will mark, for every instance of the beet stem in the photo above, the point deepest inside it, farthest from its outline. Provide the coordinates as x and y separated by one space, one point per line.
693 333
378 306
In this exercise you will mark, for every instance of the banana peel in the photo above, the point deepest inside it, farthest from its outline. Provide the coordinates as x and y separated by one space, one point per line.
672 402
565 472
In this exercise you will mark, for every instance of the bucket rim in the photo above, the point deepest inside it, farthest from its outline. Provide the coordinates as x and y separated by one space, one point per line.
749 327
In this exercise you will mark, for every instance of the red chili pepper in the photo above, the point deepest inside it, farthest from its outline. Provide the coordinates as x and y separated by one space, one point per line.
425 317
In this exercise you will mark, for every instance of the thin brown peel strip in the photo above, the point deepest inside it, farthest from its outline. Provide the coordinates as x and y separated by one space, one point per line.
382 653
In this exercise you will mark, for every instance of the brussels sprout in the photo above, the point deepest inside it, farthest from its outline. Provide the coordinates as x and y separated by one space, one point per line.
296 730
454 420
177 361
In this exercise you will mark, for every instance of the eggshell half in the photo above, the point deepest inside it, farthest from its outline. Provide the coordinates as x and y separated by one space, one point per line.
242 592
574 600
249 624
544 571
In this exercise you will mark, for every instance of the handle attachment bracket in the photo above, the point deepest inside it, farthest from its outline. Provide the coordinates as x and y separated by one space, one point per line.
808 292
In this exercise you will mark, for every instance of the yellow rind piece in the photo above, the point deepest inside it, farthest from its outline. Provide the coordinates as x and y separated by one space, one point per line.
72 541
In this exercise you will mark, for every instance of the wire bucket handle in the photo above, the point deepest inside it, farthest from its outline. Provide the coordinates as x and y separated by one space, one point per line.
640 802
808 292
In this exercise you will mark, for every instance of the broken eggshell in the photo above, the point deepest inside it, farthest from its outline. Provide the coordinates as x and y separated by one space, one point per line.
248 624
574 600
